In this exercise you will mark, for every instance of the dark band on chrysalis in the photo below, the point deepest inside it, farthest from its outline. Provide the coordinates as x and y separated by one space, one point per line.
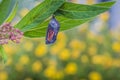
52 31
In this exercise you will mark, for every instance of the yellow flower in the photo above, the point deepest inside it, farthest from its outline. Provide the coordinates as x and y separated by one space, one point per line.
71 68
56 49
83 28
3 76
24 59
19 67
75 54
91 35
28 46
50 72
116 62
76 44
116 46
60 44
90 2
95 76
104 60
61 37
59 75
105 16
100 39
10 50
64 55
52 62
41 50
28 78
23 12
9 61
98 59
84 59
37 66
92 50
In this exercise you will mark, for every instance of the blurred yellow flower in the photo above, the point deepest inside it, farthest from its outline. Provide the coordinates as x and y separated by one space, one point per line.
60 44
71 68
84 59
28 78
90 1
59 75
105 16
83 28
95 76
10 50
41 50
24 59
116 46
98 59
56 49
50 72
61 36
75 54
28 46
37 66
64 54
52 62
19 67
91 35
104 60
116 62
76 44
100 39
9 61
3 75
23 12
92 50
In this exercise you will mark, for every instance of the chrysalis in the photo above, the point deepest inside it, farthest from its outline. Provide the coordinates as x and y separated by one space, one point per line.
52 31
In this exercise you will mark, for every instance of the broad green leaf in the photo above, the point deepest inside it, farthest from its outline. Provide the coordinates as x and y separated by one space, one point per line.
81 11
6 7
103 4
13 13
39 14
65 23
3 54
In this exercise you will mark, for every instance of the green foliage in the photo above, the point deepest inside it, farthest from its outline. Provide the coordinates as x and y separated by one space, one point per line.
103 4
35 23
71 15
79 11
6 7
3 55
39 14
12 14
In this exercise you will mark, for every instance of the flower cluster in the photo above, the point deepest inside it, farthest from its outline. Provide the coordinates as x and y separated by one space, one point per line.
7 32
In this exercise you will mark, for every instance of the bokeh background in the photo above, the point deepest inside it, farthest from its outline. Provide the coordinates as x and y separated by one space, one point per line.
88 52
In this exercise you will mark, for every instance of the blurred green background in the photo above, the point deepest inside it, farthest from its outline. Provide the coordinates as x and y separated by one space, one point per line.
88 52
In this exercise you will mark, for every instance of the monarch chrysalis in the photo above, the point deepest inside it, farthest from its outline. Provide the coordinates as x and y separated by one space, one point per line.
52 31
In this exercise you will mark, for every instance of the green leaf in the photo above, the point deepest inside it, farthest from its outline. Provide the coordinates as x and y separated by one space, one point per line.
105 4
3 54
12 14
6 7
39 14
81 11
65 23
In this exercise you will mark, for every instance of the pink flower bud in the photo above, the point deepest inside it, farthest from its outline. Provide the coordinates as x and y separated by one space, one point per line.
8 32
